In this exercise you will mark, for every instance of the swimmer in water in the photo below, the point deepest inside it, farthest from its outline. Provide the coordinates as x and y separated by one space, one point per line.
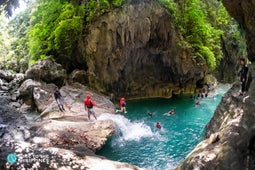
171 112
158 125
149 114
198 103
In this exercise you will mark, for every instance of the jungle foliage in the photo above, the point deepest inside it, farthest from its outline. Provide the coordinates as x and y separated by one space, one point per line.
53 29
202 24
57 25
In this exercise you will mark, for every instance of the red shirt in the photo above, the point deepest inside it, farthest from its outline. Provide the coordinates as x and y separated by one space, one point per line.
122 103
89 103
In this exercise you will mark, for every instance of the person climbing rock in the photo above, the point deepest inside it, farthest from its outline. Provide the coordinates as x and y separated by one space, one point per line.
58 98
243 76
88 103
122 106
158 125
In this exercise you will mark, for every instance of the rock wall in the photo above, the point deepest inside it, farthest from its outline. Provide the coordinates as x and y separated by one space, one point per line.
229 140
243 12
230 135
135 51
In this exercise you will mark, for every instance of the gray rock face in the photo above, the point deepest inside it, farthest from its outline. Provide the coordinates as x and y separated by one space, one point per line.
134 51
79 76
230 135
6 75
26 90
243 12
47 71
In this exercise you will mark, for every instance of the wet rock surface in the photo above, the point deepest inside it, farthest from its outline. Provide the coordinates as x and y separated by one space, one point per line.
42 137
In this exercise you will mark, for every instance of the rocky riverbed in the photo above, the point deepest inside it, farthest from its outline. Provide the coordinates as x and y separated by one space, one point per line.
42 137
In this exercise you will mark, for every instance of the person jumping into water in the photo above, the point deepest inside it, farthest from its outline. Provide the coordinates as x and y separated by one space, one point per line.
122 106
58 98
88 103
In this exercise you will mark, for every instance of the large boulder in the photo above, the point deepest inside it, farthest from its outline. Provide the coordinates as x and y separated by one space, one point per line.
47 71
6 75
43 96
79 76
26 90
66 131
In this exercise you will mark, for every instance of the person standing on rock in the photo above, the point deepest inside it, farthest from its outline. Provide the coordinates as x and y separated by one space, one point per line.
88 103
243 76
58 99
122 105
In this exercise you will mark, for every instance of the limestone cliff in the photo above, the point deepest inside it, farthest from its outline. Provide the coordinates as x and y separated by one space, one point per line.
243 12
134 51
230 136
229 142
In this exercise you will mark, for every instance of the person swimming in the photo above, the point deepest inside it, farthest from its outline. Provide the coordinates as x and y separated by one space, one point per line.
171 112
197 103
149 114
158 125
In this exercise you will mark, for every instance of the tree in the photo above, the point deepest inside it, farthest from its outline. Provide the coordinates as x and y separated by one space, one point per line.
4 41
9 5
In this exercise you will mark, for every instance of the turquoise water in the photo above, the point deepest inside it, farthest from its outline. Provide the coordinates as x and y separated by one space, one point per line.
139 142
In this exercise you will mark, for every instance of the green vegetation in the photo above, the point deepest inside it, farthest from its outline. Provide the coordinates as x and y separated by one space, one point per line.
57 25
19 48
195 21
47 29
4 40
53 28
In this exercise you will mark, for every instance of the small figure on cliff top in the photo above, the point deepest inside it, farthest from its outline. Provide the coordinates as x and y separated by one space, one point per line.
243 76
158 125
58 98
88 103
122 106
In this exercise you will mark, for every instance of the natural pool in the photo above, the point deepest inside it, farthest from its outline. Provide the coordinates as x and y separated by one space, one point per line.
139 142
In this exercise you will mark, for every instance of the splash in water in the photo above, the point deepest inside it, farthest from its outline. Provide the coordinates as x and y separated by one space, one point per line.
138 141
